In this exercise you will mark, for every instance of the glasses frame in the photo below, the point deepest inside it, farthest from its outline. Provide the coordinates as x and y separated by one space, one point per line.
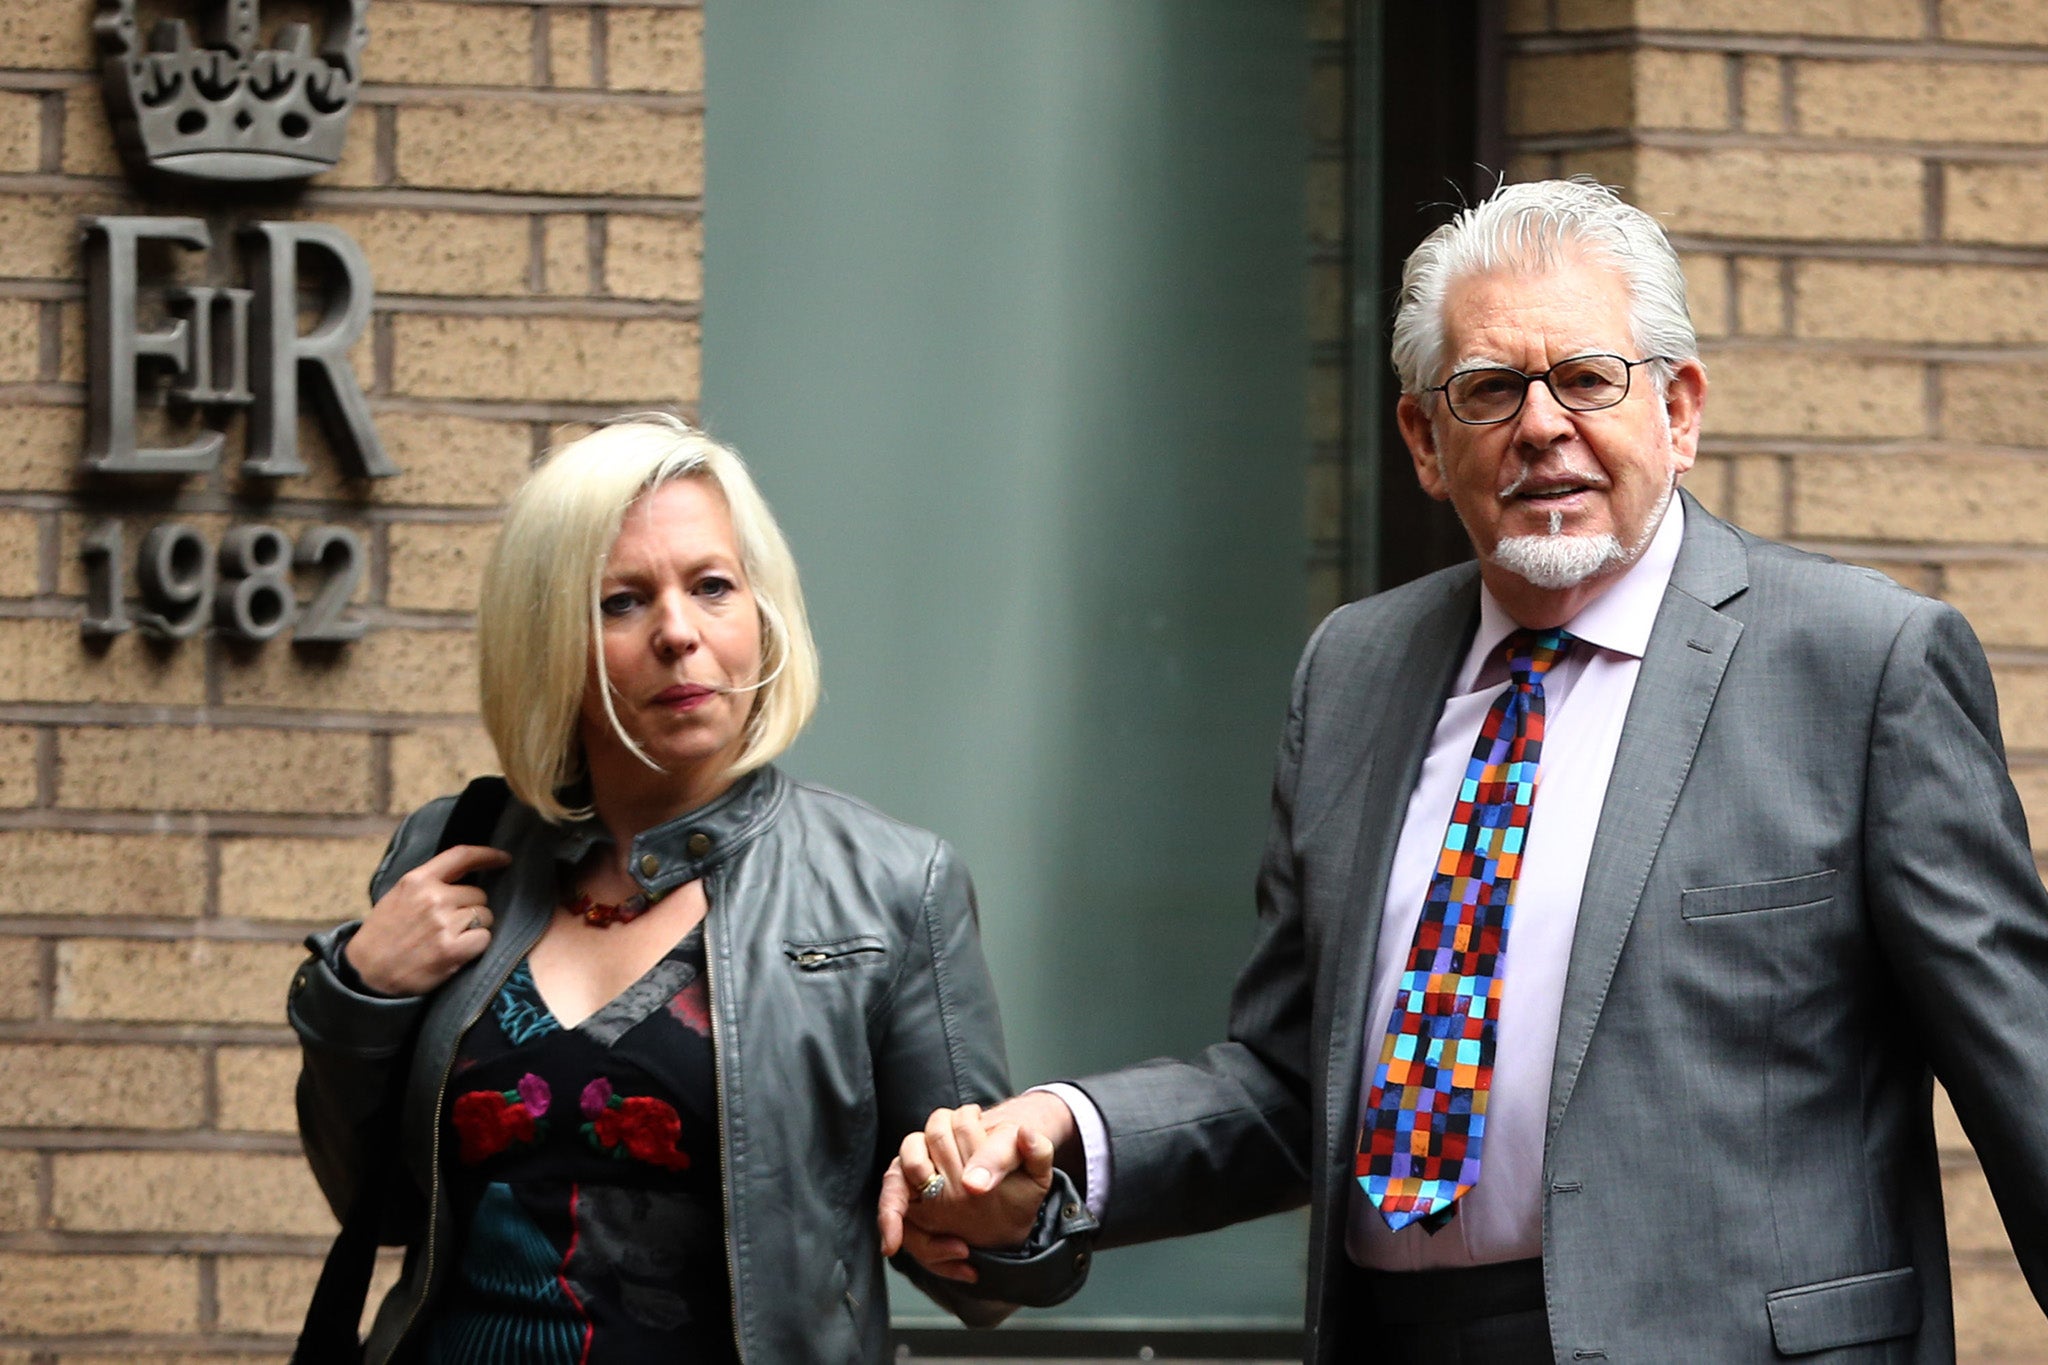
1628 368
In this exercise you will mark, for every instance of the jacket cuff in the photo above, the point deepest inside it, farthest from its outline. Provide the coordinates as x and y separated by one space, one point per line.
1052 1265
329 1012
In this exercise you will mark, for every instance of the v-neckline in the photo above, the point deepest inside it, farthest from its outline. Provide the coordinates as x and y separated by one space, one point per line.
653 988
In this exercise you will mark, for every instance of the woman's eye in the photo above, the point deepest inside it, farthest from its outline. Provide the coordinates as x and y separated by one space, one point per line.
714 587
617 603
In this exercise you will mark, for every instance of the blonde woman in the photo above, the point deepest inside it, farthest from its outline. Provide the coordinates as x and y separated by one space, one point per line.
656 1059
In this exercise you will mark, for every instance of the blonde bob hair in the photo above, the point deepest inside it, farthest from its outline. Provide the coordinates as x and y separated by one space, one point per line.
538 620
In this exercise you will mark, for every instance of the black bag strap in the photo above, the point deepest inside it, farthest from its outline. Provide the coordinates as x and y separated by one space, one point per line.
329 1334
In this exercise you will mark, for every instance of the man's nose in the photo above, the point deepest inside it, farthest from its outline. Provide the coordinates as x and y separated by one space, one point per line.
1543 421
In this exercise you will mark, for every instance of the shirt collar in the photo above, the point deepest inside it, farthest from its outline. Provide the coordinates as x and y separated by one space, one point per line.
1618 620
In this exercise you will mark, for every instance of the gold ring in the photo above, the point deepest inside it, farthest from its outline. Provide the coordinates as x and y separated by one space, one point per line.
476 921
933 1188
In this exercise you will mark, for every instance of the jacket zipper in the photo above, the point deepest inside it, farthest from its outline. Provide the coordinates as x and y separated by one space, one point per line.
732 1269
434 1179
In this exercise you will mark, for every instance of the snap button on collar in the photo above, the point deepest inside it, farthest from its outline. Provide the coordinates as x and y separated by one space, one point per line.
649 864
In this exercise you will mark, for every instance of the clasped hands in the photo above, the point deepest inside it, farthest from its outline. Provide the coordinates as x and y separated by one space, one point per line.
996 1166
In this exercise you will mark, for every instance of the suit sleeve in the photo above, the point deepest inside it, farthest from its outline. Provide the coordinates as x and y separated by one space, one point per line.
1959 907
1223 1138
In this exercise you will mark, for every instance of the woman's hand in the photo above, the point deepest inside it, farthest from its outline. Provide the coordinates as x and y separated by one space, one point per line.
996 1168
427 926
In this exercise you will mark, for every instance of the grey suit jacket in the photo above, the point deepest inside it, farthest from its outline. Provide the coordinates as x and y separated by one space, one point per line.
1810 889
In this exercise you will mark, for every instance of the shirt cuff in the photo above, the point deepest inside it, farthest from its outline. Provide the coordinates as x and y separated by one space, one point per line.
1094 1143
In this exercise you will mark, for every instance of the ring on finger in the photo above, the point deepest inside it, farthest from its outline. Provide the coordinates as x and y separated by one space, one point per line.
934 1187
475 922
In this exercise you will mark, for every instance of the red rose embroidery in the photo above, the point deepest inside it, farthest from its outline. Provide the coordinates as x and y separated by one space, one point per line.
490 1121
639 1126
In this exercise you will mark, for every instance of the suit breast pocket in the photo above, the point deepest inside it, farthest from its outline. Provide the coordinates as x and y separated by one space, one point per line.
1812 891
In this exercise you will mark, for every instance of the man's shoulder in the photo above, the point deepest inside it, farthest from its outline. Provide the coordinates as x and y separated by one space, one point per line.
1798 587
1368 621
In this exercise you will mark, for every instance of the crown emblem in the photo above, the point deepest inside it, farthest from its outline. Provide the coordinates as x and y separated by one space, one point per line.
231 108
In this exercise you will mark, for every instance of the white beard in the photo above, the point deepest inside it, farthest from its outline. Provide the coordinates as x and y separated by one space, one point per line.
1556 561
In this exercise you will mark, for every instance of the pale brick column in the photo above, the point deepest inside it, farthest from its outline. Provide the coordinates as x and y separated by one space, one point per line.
526 180
1860 192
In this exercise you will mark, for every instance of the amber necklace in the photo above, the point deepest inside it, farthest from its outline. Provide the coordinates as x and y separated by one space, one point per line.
599 915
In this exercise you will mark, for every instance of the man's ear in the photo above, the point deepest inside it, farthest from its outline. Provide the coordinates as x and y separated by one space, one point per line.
1419 432
1685 398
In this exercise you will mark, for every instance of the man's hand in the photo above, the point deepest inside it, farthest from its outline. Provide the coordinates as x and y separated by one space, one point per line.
996 1167
427 926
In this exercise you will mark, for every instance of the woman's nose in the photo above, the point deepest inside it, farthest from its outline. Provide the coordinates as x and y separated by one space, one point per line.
675 627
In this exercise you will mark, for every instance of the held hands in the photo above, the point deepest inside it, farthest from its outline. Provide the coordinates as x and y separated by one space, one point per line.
997 1167
427 925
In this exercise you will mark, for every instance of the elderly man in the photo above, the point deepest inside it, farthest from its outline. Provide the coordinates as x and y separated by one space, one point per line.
1624 892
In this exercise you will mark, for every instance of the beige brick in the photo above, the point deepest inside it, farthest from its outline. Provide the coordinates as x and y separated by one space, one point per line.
1758 486
1328 208
2002 204
1997 1320
438 566
1809 18
17 767
89 146
551 148
2023 704
193 981
358 165
1325 503
1712 482
417 252
48 660
1570 92
1758 391
21 132
174 767
655 49
1326 385
1760 295
1924 101
1524 167
63 873
73 1295
1763 94
565 255
191 1192
654 258
100 1085
1760 192
255 1086
18 1191
303 881
21 978
39 445
71 343
1680 89
2000 402
1706 293
20 340
133 1357
1973 1223
1329 96
444 462
19 534
435 761
1961 304
414 43
2003 600
1948 1129
430 672
571 50
1608 165
1921 497
47 37
1329 311
1328 20
39 233
2032 785
1994 21
563 359
267 1295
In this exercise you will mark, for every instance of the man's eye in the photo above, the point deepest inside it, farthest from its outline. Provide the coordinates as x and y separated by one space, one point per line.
1496 385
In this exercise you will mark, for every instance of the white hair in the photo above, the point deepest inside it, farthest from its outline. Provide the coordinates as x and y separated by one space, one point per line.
1538 226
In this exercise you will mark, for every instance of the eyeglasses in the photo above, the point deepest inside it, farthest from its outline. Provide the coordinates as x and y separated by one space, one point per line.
1585 383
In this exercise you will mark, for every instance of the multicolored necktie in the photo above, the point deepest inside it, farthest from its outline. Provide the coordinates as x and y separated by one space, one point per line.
1425 1116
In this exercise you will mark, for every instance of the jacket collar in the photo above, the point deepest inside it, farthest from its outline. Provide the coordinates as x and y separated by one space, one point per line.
692 844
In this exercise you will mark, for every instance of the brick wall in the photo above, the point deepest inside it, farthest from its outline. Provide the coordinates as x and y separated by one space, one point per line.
1860 192
526 181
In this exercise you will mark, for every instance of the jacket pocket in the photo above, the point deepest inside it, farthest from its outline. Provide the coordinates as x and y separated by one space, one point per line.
1785 893
1845 1312
837 956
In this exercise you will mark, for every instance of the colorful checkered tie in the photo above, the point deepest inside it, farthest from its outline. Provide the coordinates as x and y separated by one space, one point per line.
1425 1116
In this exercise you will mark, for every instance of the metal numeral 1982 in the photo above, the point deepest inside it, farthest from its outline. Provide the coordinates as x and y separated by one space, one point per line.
244 589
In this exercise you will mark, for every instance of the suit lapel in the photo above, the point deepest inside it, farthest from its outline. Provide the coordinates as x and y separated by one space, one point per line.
1415 672
1683 665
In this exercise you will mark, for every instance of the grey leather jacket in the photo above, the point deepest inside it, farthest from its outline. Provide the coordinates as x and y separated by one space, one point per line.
849 998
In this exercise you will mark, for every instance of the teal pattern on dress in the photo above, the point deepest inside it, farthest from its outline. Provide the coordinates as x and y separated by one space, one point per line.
521 1013
511 1268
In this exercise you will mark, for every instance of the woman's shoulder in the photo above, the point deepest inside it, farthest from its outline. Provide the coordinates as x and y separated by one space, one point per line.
858 826
424 831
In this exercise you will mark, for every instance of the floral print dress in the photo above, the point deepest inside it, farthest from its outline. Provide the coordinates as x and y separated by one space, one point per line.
586 1173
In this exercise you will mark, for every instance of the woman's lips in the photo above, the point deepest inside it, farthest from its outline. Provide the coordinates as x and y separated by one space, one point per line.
685 697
